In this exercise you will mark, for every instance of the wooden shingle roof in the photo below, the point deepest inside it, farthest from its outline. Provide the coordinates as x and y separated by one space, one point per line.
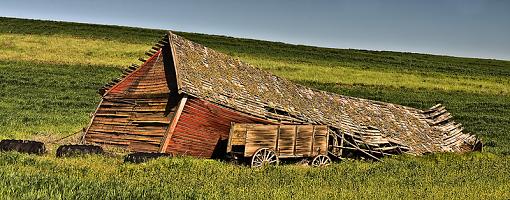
216 77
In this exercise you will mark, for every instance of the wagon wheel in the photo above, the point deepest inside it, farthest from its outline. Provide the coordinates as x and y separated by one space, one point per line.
321 161
264 157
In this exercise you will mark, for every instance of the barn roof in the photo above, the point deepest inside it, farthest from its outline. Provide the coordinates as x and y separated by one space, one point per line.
216 77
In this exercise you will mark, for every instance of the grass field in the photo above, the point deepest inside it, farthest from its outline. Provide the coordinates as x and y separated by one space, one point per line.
50 72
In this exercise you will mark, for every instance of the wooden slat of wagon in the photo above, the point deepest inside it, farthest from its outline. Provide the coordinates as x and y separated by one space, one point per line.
286 140
320 140
304 140
262 136
237 135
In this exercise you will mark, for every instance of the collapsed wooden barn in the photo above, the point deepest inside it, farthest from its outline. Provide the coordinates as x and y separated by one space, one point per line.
185 97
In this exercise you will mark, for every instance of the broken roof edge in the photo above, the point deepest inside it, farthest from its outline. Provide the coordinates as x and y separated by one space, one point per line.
172 54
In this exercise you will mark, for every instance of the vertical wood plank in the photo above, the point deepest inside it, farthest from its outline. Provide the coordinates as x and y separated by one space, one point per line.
173 124
230 135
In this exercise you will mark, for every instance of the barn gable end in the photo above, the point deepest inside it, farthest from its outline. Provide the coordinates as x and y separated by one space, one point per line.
136 112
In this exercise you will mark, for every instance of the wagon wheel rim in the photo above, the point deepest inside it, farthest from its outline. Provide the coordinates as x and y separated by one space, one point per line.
263 158
321 161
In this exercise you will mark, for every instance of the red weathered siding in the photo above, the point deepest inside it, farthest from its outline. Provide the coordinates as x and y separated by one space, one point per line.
149 79
136 112
136 124
203 128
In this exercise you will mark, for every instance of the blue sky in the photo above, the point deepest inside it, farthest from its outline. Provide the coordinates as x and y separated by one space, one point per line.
468 28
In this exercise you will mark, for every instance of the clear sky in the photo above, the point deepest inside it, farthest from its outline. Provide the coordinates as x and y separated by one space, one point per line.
468 28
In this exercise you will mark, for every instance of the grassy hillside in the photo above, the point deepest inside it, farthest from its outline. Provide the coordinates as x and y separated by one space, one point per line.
50 72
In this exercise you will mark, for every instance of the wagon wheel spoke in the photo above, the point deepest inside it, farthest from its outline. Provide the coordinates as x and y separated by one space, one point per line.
272 156
266 154
264 157
321 161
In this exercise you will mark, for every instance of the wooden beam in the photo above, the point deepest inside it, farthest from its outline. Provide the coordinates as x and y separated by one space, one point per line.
342 144
230 134
82 140
364 151
174 60
173 124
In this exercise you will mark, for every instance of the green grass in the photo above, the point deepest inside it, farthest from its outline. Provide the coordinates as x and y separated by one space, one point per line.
50 71
62 49
452 177
49 100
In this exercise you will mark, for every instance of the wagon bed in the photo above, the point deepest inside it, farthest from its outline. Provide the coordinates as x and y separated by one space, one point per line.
286 141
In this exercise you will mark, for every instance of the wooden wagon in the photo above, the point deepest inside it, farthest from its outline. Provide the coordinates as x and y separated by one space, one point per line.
266 144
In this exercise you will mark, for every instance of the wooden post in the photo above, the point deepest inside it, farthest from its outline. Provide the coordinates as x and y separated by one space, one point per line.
82 140
341 144
173 124
276 148
230 135
313 140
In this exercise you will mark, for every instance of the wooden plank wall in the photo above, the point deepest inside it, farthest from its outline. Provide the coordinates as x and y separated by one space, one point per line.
136 112
149 79
203 129
137 124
